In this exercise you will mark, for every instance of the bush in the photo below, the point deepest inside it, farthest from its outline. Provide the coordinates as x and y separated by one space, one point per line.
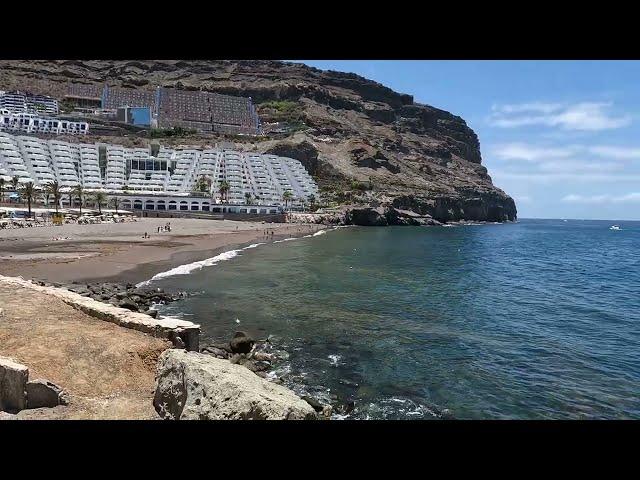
172 132
361 186
282 106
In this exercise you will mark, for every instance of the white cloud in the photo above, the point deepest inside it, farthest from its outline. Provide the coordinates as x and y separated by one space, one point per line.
628 198
532 153
501 176
574 166
590 116
602 199
540 107
621 153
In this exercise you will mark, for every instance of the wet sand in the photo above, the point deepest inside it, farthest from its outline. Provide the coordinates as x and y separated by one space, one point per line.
119 253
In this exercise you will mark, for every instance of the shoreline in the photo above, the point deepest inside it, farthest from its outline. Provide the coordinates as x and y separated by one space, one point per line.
118 253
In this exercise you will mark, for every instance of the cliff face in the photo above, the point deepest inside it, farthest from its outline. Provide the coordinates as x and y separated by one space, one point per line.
364 143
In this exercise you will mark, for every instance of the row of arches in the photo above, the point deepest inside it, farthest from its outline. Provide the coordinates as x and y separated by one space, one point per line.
193 206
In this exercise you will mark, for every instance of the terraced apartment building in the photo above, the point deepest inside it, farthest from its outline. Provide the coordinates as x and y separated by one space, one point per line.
161 176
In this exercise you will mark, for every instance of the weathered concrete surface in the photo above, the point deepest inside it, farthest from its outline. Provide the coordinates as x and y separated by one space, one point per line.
42 393
169 328
194 386
13 383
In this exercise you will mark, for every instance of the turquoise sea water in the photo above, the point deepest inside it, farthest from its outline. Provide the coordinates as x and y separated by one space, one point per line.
534 320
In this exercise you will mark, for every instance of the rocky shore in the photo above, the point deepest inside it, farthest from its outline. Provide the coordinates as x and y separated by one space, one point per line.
136 299
260 357
383 216
222 381
257 356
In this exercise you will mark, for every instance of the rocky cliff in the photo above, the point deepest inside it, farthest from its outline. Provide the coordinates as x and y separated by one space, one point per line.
366 145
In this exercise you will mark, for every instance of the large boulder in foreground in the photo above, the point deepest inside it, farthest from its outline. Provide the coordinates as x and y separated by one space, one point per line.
194 386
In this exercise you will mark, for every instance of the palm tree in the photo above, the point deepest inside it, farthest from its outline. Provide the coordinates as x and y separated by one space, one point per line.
28 191
78 191
247 198
312 202
115 201
2 182
14 182
223 189
99 198
53 188
287 196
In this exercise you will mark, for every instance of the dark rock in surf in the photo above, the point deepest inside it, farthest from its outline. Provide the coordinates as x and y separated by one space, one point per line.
129 304
317 406
241 343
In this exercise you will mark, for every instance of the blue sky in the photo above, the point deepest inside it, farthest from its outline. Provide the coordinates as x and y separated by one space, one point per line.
561 137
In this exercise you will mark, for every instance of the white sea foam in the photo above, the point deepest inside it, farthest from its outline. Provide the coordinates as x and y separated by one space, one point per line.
224 256
334 359
286 240
191 267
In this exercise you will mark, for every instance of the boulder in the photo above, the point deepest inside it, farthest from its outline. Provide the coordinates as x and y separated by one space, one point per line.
129 304
193 386
13 383
241 343
367 216
317 406
217 352
397 216
262 357
42 393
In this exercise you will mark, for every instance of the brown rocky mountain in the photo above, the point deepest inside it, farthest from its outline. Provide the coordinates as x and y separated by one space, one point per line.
366 145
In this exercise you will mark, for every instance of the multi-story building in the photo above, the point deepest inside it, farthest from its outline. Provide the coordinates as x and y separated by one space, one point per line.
252 178
33 123
170 107
22 102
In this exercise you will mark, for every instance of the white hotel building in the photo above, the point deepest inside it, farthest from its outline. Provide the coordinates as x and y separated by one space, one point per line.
166 181
32 123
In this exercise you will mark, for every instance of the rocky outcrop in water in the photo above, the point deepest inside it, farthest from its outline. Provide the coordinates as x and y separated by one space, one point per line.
193 386
364 143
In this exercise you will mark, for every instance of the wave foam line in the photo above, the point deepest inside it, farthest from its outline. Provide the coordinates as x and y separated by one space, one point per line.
209 262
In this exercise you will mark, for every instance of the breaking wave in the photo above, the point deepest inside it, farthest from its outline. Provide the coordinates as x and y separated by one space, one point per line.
224 256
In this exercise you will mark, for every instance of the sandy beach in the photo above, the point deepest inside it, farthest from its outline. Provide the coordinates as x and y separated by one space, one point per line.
119 253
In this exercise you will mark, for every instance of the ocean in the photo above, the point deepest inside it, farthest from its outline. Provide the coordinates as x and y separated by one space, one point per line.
538 319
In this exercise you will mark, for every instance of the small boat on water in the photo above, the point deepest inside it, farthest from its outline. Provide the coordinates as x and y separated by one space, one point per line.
615 227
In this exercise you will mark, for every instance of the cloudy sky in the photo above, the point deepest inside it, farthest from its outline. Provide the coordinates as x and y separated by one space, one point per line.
561 137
